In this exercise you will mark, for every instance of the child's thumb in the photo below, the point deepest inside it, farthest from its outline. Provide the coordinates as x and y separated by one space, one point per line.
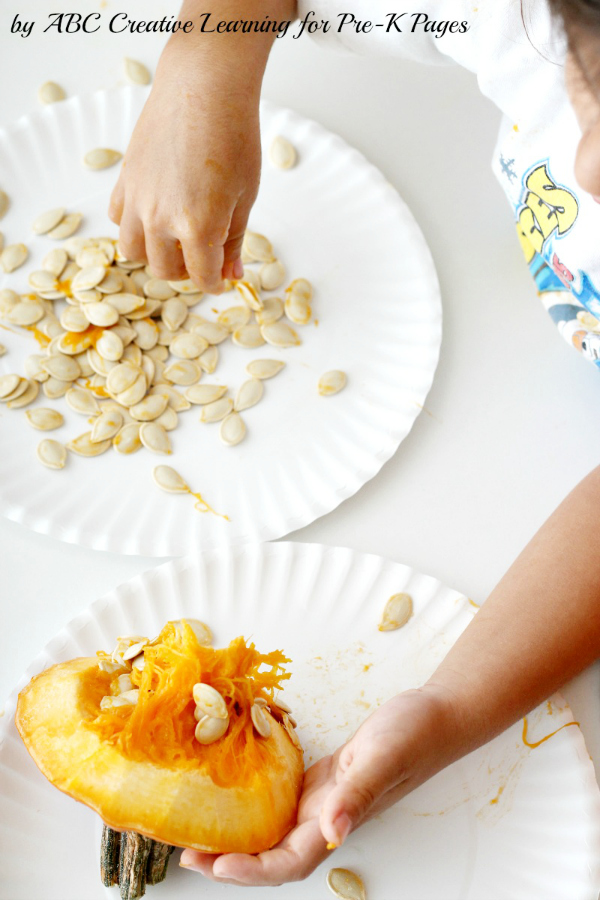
357 789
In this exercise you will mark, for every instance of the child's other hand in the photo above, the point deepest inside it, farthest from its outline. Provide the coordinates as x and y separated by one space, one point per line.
191 172
400 746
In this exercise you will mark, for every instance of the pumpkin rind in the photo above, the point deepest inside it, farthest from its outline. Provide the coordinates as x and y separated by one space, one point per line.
183 807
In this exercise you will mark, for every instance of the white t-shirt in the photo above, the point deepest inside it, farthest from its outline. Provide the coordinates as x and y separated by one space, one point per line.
517 52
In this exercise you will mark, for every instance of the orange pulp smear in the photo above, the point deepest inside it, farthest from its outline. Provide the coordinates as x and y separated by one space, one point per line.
548 736
160 727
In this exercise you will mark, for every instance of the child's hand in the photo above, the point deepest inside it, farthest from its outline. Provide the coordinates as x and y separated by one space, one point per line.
400 746
191 172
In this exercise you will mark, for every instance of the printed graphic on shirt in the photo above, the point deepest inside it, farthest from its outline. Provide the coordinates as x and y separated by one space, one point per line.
548 209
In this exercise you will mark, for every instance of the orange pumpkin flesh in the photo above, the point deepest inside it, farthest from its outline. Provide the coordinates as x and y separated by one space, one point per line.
141 769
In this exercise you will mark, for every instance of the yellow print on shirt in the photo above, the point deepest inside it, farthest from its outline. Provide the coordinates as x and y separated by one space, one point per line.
547 209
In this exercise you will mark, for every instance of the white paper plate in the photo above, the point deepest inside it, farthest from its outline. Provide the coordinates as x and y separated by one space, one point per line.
333 219
506 823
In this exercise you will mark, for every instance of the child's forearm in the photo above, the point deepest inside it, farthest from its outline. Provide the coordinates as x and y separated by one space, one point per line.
539 627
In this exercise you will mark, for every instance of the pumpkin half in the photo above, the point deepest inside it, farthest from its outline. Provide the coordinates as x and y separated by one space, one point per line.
140 766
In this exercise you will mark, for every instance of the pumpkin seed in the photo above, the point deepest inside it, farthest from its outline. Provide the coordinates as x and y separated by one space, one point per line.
19 389
122 377
93 296
287 723
282 153
209 701
91 256
176 400
271 312
202 394
112 283
257 247
150 408
133 355
212 332
249 336
13 257
346 884
146 334
113 702
398 610
184 372
107 665
55 261
280 335
214 412
102 314
249 295
186 286
65 368
232 430
134 649
208 730
157 289
110 346
155 438
272 275
174 313
260 720
297 309
54 388
332 383
44 419
28 395
125 302
201 630
209 359
168 419
101 158
264 368
88 278
51 92
249 394
48 220
133 394
136 72
148 368
74 319
253 279
188 345
170 480
4 203
127 441
66 228
234 317
8 300
301 288
8 383
83 445
51 454
139 662
124 683
107 426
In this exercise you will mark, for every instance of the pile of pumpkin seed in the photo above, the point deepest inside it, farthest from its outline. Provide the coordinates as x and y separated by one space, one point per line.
129 350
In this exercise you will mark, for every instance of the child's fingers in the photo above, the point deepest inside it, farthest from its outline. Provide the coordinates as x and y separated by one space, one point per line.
233 246
203 255
131 238
117 201
165 256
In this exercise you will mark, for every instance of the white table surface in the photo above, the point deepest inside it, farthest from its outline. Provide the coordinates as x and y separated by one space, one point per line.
511 424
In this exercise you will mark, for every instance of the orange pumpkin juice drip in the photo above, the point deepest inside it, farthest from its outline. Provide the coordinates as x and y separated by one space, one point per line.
160 727
548 736
65 287
82 340
202 506
42 339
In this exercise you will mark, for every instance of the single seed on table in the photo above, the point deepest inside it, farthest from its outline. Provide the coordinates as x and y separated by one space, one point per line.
157 289
202 394
214 412
203 633
209 701
4 203
297 309
102 314
176 400
234 317
44 419
46 221
51 454
155 438
249 394
8 383
84 446
249 295
110 346
272 275
133 394
74 319
101 158
232 430
66 228
28 396
170 480
332 383
209 360
280 335
184 372
282 153
271 312
249 336
106 426
127 441
88 278
188 346
168 419
257 247
50 92
54 388
13 257
346 885
398 610
125 302
212 332
174 313
150 408
264 368
135 71
208 730
65 368
260 720
301 287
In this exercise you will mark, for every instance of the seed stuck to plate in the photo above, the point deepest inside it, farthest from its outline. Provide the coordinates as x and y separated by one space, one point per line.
50 92
346 885
52 454
282 153
169 480
44 419
235 317
260 720
232 430
249 394
398 610
136 72
101 158
264 368
249 336
332 383
280 335
13 257
154 438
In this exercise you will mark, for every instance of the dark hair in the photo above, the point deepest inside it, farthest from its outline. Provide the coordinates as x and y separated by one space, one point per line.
576 13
